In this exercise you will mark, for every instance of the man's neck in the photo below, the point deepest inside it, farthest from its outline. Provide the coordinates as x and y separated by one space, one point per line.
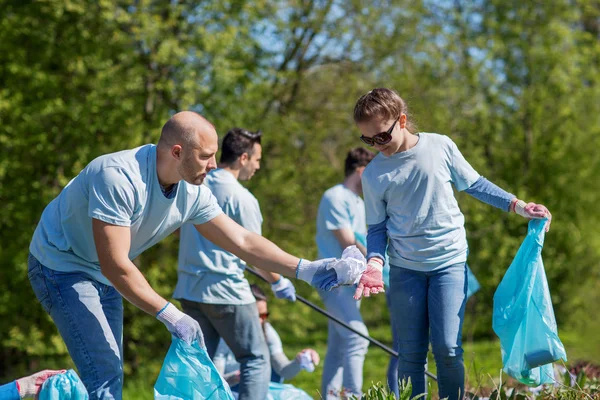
233 171
164 171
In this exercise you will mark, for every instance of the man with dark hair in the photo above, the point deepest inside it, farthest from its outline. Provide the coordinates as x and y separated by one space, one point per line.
211 284
341 222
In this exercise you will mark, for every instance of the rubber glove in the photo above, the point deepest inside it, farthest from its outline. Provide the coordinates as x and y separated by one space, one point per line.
180 324
284 289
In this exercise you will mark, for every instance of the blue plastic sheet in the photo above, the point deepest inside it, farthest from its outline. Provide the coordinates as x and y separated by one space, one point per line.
523 317
472 283
65 386
189 374
282 391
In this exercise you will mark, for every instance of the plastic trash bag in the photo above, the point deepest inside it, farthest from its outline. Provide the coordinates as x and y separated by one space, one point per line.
523 317
189 374
472 283
282 391
65 386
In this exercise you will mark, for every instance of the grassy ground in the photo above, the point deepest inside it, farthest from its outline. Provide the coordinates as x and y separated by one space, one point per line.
482 363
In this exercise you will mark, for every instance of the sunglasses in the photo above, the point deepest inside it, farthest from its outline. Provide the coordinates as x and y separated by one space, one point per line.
381 138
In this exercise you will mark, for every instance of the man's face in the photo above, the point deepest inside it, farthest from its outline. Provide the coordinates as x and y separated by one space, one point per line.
250 163
198 161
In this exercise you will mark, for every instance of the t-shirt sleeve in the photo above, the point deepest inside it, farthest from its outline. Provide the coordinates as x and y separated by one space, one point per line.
249 215
207 207
273 340
462 173
335 212
111 197
375 205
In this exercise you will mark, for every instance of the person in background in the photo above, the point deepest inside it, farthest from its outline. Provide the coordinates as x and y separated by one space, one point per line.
281 367
341 223
27 387
211 285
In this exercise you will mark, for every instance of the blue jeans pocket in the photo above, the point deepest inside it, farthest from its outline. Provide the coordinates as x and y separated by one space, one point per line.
38 283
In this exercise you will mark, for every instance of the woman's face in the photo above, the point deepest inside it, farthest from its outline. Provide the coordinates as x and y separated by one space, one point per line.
375 127
263 311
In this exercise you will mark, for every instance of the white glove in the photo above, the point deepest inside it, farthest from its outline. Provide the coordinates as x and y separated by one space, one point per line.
30 386
284 289
329 273
307 359
180 324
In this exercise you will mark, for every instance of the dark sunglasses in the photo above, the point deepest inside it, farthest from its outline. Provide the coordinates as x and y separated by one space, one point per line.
381 138
264 315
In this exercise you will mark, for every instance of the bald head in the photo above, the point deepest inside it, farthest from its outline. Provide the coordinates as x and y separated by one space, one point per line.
188 129
186 149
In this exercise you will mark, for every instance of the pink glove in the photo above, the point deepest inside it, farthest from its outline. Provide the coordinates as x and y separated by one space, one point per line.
531 211
371 281
30 386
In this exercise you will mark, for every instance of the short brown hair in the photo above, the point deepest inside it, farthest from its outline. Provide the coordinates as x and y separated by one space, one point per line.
357 157
381 103
258 293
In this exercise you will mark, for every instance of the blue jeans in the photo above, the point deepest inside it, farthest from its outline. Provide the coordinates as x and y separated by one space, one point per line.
392 371
424 305
240 328
89 317
343 366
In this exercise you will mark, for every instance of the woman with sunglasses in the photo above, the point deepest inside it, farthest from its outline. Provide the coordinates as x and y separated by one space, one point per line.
410 203
281 367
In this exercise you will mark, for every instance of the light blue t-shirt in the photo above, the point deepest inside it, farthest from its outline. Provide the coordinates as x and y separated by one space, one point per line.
414 189
120 189
340 208
207 273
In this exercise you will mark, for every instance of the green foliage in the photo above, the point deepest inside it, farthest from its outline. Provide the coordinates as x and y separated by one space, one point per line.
378 391
514 83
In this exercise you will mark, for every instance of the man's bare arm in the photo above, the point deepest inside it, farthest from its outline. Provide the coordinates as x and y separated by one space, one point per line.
112 245
249 246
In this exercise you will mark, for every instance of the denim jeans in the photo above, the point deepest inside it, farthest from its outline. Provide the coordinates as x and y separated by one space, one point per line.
89 317
240 328
424 305
343 366
392 371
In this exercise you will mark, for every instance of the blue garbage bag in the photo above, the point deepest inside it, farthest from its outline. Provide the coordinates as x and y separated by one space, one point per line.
65 386
523 316
283 391
472 283
189 374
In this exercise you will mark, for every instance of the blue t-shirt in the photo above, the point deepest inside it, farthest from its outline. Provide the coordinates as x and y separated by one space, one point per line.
340 208
120 189
207 273
414 189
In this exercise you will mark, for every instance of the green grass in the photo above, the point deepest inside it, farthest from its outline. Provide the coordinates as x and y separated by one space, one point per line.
482 364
